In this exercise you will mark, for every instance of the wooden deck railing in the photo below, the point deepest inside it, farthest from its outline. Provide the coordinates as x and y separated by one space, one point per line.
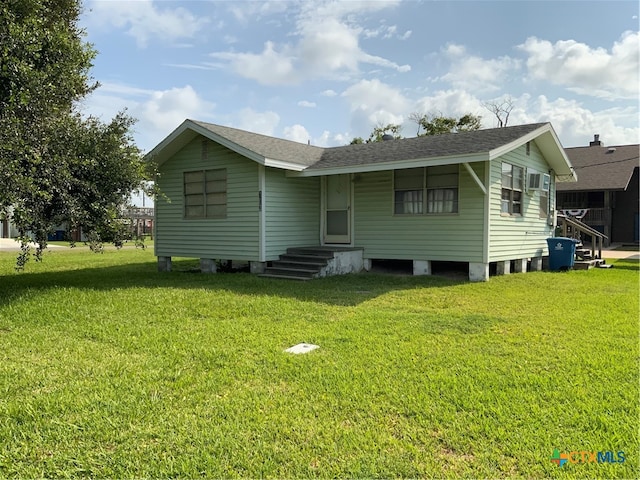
574 228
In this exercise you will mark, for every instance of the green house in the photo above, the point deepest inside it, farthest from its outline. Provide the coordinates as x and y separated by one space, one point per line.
485 198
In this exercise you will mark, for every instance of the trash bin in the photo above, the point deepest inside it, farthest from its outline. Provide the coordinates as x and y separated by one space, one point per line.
562 253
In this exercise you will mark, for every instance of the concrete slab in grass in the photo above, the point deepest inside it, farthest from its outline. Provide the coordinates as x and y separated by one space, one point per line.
302 348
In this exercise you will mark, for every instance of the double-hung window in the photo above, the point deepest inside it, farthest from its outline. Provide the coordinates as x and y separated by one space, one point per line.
409 191
544 204
442 189
205 194
512 186
428 190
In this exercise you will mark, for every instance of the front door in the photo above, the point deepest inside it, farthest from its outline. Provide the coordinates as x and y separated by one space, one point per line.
337 209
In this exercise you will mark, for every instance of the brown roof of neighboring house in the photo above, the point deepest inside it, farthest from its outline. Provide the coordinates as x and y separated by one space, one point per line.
602 168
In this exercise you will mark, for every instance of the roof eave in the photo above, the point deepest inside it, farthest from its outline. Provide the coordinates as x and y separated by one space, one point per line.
271 162
173 142
547 141
392 165
188 130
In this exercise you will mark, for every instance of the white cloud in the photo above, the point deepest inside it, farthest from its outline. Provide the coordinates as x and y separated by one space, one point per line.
230 39
297 133
144 20
326 45
166 109
386 32
306 104
268 68
323 140
329 45
475 73
329 93
257 122
340 139
453 102
342 9
575 124
246 11
158 111
589 71
373 103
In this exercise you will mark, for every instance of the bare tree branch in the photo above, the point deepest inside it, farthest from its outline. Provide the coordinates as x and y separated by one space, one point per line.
501 109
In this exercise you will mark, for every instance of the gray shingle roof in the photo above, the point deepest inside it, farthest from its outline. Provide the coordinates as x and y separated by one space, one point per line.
318 158
433 146
598 168
268 147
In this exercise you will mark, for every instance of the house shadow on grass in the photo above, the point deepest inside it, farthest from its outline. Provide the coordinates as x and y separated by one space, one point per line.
341 290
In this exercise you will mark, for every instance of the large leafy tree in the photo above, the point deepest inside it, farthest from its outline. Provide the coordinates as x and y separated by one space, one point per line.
55 165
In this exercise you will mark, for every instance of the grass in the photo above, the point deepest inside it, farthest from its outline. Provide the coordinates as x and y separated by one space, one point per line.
110 369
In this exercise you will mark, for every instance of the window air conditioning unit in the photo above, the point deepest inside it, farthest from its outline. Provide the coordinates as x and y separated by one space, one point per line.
538 181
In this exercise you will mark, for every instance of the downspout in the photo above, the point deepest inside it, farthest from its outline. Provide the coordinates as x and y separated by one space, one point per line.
262 215
323 194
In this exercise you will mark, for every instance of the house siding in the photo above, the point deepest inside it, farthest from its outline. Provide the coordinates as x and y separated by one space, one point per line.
519 236
232 238
624 224
292 215
447 237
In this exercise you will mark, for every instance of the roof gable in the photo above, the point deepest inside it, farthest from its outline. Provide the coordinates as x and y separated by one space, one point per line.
265 150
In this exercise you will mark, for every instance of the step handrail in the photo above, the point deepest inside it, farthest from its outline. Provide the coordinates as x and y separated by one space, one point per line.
597 237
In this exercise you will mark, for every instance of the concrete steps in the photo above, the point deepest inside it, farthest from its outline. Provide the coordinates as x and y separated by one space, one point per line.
585 261
301 263
589 264
305 263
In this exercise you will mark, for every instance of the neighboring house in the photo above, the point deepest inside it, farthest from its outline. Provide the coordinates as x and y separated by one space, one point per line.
606 195
7 229
463 197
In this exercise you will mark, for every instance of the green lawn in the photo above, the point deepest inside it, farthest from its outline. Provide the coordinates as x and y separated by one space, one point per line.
110 369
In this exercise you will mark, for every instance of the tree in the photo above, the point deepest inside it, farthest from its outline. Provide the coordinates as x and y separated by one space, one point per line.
501 109
56 166
378 133
437 124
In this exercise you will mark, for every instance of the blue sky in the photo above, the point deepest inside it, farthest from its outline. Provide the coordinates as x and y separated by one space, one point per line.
328 71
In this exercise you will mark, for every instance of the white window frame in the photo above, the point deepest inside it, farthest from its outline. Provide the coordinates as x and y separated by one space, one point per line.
205 191
512 189
544 204
426 190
